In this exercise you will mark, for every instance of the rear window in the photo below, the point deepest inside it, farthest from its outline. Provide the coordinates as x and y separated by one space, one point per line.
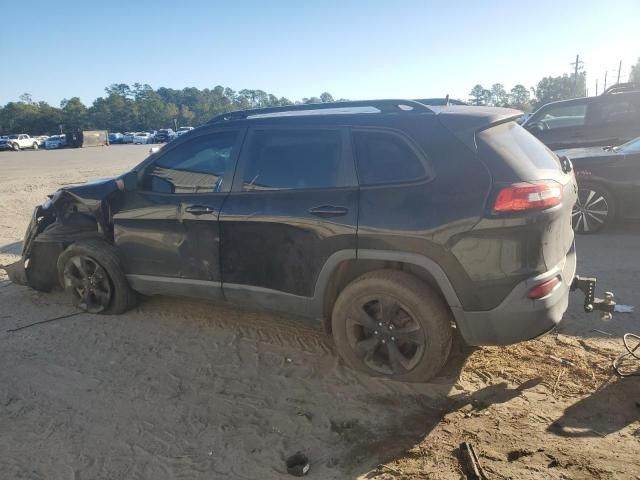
511 141
293 159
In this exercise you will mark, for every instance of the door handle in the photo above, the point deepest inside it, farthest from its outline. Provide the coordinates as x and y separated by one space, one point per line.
199 210
328 211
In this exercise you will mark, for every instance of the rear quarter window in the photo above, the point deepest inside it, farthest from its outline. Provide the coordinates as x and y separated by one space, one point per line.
513 143
383 157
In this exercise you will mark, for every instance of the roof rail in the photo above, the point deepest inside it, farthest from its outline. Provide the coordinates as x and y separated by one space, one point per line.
385 106
622 87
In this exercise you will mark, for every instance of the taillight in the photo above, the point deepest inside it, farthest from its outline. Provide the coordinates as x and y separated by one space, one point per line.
543 289
528 196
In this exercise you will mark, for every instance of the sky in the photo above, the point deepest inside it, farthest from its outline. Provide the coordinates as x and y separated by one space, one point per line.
352 49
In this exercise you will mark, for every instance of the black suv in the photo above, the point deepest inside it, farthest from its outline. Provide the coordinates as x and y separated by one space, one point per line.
390 222
612 118
165 135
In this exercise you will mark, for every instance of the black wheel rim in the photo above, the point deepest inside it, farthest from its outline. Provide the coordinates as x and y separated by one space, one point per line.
590 211
88 283
384 335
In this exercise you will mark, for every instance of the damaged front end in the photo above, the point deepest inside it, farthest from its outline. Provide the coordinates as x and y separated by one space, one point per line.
71 214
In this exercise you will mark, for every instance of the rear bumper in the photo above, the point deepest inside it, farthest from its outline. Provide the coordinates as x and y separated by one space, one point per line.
519 318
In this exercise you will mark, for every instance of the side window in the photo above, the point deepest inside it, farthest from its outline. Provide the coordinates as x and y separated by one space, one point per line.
196 166
385 158
292 159
564 116
614 111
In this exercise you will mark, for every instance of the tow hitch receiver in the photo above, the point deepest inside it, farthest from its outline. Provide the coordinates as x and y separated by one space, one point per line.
588 286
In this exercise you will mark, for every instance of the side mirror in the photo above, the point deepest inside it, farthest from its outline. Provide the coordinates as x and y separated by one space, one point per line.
128 181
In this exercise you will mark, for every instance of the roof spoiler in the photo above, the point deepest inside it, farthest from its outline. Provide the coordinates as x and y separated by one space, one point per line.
465 121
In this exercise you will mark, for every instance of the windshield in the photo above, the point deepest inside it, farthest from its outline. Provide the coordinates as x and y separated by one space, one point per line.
630 147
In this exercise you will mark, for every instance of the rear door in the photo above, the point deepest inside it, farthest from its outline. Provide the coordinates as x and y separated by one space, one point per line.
294 204
167 230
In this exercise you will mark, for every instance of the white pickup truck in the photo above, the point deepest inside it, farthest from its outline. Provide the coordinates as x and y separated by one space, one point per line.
18 142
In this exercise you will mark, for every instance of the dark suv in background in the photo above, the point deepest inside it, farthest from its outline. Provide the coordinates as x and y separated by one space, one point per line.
165 135
389 222
610 119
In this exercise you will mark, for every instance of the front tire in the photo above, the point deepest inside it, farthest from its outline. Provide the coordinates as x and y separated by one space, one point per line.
15 147
41 270
91 273
35 146
594 209
391 324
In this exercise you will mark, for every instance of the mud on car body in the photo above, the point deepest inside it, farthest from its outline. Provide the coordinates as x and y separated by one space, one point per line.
388 221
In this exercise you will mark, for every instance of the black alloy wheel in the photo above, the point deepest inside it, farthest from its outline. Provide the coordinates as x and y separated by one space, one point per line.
385 335
89 284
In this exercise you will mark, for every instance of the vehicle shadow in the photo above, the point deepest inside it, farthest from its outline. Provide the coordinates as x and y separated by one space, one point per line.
384 445
365 446
13 248
413 429
607 410
171 376
491 395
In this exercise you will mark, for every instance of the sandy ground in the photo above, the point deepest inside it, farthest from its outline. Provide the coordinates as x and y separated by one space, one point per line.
176 389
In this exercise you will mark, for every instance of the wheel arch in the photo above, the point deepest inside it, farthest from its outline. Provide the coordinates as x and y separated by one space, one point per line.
345 266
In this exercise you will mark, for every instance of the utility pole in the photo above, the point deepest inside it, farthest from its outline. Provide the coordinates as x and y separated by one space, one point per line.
605 80
619 70
575 74
596 87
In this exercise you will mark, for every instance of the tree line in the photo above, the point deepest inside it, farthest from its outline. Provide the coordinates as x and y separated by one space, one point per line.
139 107
548 89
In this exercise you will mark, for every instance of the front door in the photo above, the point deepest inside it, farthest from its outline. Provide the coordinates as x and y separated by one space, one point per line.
167 230
293 205
560 125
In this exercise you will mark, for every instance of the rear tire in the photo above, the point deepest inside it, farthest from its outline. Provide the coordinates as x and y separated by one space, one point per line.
391 324
91 273
594 209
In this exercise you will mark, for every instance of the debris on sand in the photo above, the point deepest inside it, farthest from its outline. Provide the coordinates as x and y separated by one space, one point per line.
298 464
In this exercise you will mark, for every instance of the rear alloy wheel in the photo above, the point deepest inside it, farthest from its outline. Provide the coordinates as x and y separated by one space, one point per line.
389 340
593 209
389 323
